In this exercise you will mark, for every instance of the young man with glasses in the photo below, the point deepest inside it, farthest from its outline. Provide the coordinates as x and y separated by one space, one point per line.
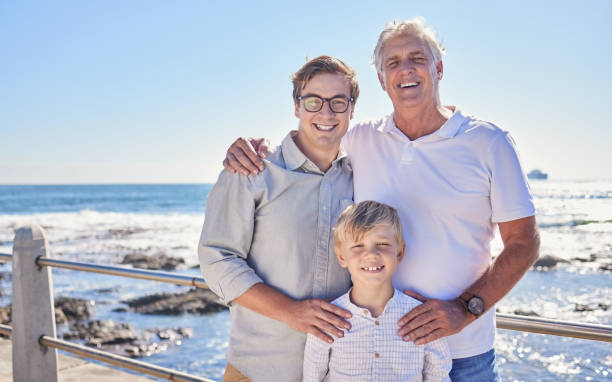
267 245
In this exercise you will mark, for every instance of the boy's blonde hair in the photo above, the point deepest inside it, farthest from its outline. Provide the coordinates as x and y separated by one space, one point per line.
358 219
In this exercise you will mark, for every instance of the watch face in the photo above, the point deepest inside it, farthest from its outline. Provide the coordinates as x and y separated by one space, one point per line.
475 305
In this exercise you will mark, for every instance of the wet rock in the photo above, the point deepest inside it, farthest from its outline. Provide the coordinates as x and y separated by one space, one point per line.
548 261
193 301
139 260
606 267
120 309
102 332
525 312
122 233
591 307
121 338
5 315
583 308
74 308
105 290
592 257
66 309
60 317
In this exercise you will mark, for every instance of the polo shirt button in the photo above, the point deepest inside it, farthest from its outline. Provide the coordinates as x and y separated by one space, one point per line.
376 355
376 323
365 311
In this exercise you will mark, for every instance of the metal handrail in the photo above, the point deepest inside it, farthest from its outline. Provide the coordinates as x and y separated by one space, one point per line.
6 330
504 321
6 257
135 273
554 327
117 360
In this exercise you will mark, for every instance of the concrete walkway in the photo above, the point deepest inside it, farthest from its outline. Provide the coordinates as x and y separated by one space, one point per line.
71 369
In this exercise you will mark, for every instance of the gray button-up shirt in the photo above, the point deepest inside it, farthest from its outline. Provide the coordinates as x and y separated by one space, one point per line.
275 228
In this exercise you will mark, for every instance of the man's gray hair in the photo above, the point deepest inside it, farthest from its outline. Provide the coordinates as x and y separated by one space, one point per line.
408 28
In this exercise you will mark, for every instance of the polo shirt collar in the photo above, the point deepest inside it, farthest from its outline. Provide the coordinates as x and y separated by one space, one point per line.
447 131
294 158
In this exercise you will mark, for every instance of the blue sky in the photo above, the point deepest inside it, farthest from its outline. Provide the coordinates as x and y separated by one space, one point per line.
155 91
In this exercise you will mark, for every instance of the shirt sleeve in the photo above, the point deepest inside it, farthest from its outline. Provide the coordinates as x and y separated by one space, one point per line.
437 363
316 359
510 194
226 237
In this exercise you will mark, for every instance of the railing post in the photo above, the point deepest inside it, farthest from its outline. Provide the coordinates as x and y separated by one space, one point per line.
33 311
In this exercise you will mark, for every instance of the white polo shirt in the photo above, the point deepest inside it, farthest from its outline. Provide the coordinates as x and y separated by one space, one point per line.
450 188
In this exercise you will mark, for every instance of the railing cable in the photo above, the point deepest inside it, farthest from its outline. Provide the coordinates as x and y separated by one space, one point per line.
117 360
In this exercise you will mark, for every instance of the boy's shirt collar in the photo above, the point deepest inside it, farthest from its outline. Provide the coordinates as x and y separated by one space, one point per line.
365 313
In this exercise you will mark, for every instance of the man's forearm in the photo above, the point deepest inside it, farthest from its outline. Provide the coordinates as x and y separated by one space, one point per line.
267 301
314 316
521 248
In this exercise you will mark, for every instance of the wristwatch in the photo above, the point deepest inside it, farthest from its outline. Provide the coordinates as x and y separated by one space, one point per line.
473 304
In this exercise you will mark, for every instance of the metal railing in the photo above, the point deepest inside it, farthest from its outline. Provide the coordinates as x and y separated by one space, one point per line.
504 321
113 359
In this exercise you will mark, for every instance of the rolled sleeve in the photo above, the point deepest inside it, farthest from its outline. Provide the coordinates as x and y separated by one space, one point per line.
226 237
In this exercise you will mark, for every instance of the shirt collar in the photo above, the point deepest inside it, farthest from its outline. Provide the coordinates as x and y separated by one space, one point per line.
447 131
294 158
355 310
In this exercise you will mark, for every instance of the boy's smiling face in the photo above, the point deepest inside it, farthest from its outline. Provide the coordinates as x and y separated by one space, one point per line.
373 258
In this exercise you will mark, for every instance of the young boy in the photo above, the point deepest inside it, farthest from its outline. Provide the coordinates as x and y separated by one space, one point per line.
369 242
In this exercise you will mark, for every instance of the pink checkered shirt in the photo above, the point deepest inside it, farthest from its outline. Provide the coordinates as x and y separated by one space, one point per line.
372 350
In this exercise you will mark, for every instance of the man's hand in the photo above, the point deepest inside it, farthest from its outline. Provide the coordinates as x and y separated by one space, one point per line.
433 319
317 317
243 156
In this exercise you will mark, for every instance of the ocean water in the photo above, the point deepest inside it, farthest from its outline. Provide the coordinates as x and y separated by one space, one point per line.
103 223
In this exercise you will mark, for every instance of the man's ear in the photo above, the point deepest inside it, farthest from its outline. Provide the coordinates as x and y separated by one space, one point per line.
296 103
381 79
340 257
401 253
440 70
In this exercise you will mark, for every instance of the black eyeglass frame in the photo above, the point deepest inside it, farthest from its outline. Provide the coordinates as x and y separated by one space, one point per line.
350 100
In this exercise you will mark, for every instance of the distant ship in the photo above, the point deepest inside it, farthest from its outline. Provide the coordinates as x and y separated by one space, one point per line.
537 174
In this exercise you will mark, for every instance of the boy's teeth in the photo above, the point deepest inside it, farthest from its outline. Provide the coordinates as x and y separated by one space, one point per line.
325 127
372 268
408 85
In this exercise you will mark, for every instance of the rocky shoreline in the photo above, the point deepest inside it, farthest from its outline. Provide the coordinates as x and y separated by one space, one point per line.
76 314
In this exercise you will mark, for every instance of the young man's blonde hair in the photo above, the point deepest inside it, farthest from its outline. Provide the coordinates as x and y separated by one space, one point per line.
358 219
324 64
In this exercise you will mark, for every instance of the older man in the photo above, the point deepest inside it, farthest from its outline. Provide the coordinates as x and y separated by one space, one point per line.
452 178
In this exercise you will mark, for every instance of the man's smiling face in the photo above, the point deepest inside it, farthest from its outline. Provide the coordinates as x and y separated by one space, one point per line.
323 130
410 75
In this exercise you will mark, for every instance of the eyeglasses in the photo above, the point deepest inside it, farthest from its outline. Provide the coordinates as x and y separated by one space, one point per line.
314 103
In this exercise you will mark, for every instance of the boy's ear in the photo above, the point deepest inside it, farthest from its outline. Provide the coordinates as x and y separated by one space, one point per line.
340 257
400 254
